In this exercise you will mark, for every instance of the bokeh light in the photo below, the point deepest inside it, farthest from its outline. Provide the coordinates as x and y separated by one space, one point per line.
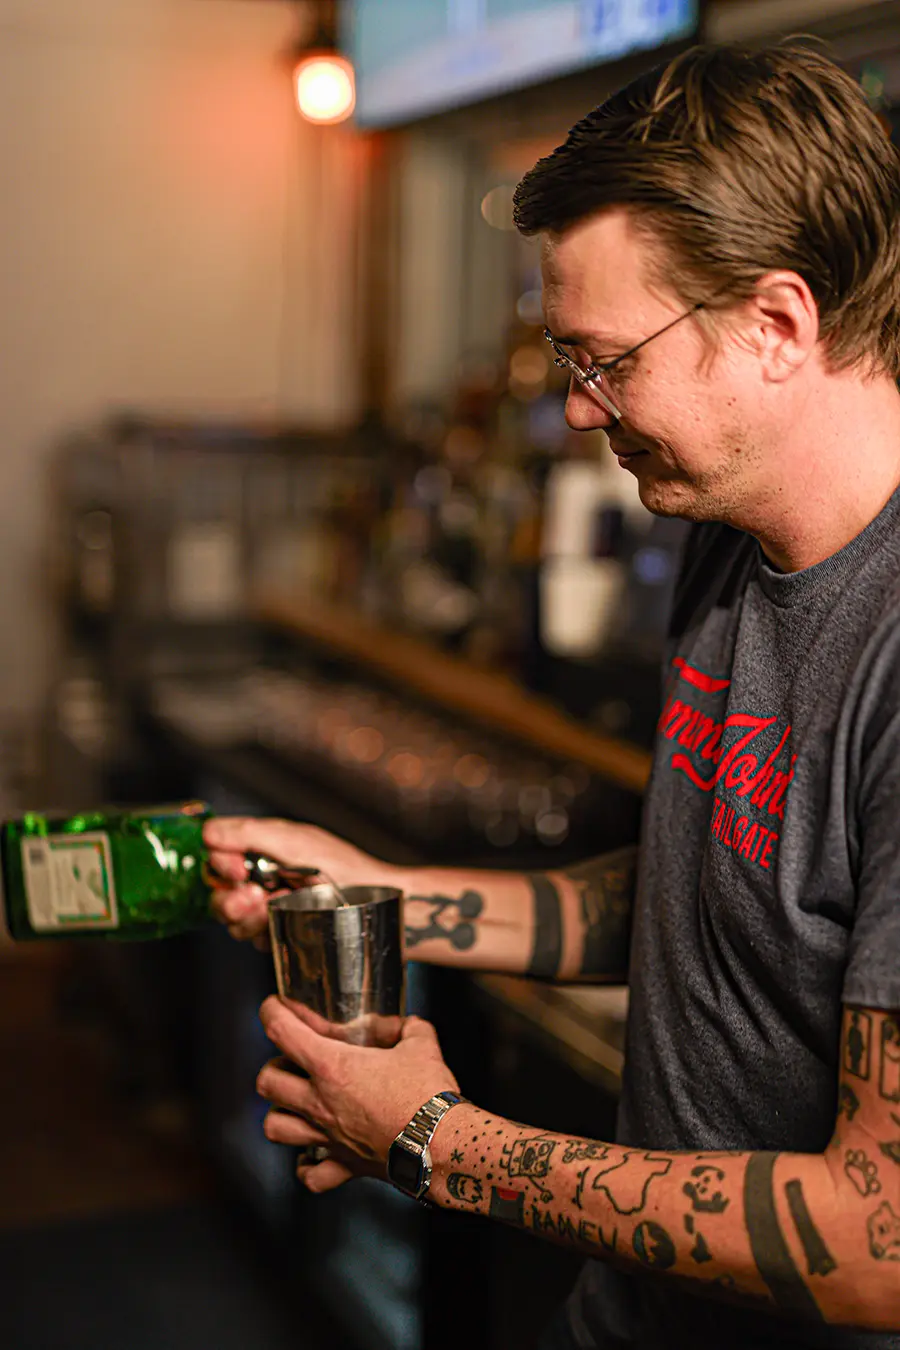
325 88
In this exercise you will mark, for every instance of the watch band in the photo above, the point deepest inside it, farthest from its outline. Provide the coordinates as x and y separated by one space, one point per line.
424 1123
412 1145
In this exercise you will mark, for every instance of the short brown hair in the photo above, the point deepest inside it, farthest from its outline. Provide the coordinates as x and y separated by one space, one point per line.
742 161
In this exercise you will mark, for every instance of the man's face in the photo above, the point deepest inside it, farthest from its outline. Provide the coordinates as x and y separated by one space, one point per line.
694 422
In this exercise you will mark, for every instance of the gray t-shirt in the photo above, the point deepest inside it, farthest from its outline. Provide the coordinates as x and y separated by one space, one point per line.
769 887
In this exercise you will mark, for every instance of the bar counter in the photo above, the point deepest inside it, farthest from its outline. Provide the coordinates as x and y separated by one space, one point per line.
582 1024
460 687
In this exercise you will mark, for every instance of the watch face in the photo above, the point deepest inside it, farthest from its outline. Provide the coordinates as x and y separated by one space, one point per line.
405 1169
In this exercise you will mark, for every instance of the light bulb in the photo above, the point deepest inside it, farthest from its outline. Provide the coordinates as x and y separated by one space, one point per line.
325 88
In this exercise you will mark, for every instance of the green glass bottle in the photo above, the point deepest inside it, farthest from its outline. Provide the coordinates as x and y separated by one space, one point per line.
122 874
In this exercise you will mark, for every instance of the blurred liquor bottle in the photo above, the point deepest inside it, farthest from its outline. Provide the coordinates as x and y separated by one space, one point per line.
126 875
117 874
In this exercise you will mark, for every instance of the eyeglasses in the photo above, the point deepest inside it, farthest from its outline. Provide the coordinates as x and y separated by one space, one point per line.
590 377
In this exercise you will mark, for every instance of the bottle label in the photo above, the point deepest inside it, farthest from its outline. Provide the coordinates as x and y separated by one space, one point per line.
69 882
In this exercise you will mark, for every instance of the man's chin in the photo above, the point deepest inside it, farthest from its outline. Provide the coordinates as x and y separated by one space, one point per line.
668 497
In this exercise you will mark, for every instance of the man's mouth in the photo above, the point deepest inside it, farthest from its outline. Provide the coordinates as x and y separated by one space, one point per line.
622 452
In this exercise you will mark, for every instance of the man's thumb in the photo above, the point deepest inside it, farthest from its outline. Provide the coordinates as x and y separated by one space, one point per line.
417 1029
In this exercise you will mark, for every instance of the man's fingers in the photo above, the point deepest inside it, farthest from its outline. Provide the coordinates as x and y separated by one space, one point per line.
323 1176
247 905
292 1035
246 929
243 834
291 1091
314 1020
227 865
286 1129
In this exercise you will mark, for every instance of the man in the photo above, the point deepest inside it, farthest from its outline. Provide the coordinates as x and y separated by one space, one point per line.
721 256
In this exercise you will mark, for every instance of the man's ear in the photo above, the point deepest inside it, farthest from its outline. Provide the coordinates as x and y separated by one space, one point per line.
783 319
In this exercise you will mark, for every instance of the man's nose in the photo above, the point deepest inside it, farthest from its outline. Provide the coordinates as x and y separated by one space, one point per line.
584 413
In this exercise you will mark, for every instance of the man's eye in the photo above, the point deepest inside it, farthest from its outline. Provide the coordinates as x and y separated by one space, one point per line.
601 361
621 372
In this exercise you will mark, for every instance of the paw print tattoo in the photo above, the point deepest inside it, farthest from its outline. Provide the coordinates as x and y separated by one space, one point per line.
862 1172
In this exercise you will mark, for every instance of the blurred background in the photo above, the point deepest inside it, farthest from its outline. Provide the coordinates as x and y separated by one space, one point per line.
291 521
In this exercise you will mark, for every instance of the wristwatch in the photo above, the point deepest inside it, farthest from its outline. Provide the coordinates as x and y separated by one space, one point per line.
409 1158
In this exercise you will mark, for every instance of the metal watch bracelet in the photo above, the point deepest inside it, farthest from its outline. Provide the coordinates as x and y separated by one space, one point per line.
425 1121
415 1139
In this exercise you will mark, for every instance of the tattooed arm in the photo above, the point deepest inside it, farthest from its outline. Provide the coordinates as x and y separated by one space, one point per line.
567 925
815 1237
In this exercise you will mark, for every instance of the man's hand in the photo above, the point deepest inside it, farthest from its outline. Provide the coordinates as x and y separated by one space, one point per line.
244 908
356 1099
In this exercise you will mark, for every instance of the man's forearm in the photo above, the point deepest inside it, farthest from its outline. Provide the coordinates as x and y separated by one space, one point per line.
567 925
798 1234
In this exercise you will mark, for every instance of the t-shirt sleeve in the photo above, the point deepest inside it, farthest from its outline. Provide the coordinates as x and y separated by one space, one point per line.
873 974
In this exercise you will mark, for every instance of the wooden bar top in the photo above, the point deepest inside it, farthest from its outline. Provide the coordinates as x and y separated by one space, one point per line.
447 680
584 1023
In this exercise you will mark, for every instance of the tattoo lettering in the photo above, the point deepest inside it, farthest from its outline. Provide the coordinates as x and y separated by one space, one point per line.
884 1233
530 1158
508 1206
889 1079
689 1223
606 887
700 1251
862 1172
456 1156
704 1193
848 1102
857 1052
627 1181
466 1188
542 1221
653 1246
770 1251
456 928
891 1147
580 1150
819 1260
547 952
561 1226
579 1189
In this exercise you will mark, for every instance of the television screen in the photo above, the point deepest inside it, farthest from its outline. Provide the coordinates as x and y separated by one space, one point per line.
415 57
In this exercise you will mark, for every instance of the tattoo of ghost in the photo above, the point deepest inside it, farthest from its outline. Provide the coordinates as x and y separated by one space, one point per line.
704 1190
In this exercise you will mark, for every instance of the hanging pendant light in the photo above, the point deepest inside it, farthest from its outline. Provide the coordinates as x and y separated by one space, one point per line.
324 80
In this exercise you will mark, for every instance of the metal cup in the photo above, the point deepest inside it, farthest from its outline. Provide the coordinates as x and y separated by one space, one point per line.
340 964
